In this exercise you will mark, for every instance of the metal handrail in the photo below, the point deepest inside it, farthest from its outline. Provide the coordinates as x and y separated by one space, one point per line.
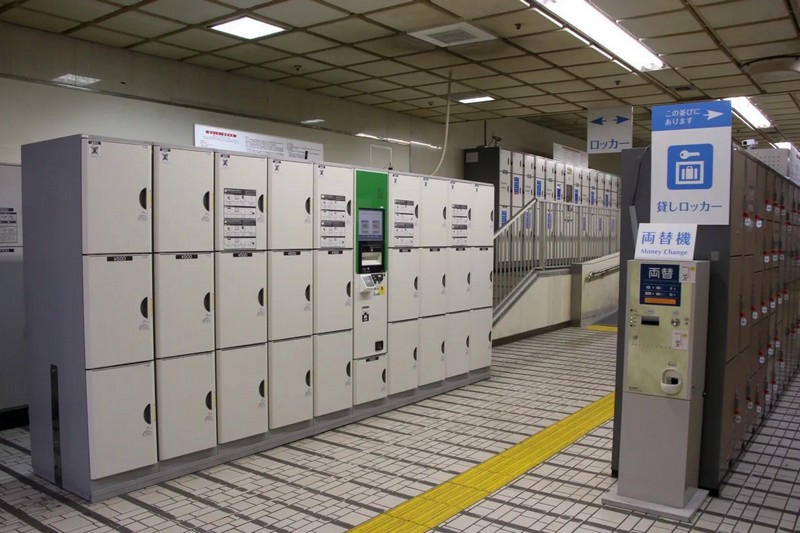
601 273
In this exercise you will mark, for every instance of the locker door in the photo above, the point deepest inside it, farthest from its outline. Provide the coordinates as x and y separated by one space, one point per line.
459 279
240 311
540 177
504 189
459 200
184 303
403 284
120 405
116 197
550 179
569 184
432 346
369 379
481 231
402 357
186 390
505 161
291 397
528 178
290 187
560 181
333 290
117 308
333 207
183 183
517 173
433 281
505 215
457 361
289 294
433 212
333 362
403 210
241 392
481 274
585 186
480 338
240 216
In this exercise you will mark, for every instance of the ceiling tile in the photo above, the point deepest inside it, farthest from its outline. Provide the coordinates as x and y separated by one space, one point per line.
415 79
663 24
300 13
336 92
498 104
440 89
456 108
529 21
623 9
461 72
186 12
473 10
731 13
558 108
595 70
372 86
33 19
654 99
343 56
439 58
549 42
668 78
382 68
82 10
299 82
261 73
251 53
402 94
693 59
565 87
203 40
428 102
492 82
687 42
517 92
396 45
243 4
337 75
783 86
296 64
776 30
424 113
758 51
298 42
623 80
396 106
412 17
368 99
478 115
638 90
719 82
517 112
163 50
215 62
517 64
543 76
710 71
363 6
486 50
580 56
351 30
585 96
137 23
545 99
99 35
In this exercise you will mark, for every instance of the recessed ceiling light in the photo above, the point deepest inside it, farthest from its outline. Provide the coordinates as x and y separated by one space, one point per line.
247 28
74 79
476 100
784 145
312 121
750 113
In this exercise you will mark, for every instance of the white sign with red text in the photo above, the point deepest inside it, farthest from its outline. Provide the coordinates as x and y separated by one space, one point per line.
228 140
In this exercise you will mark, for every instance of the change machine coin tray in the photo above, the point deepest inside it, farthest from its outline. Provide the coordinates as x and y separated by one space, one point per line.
662 399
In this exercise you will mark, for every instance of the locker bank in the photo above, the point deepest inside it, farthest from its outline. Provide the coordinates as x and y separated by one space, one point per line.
331 265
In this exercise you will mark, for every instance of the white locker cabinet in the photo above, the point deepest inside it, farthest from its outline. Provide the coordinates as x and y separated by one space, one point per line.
432 281
333 290
593 187
183 303
528 178
291 396
504 189
187 415
459 279
585 186
518 163
333 207
480 338
481 277
117 309
333 365
517 177
369 379
560 179
290 188
569 184
433 212
401 363
404 286
481 231
460 199
403 210
240 299
183 183
606 190
120 404
540 177
240 205
290 275
458 341
370 310
241 392
506 161
505 214
116 196
432 349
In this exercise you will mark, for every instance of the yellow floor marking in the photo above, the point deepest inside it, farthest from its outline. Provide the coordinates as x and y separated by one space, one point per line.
444 501
600 327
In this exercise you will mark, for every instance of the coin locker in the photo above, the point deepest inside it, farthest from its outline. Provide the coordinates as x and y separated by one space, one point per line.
291 393
289 294
460 198
333 363
240 310
239 197
517 177
433 209
528 179
290 188
369 380
404 285
459 279
457 361
432 349
433 281
480 338
481 276
550 179
332 290
333 207
401 363
404 210
241 392
481 231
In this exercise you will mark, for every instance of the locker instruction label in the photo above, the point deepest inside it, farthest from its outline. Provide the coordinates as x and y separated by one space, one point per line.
9 225
403 222
459 217
240 214
332 220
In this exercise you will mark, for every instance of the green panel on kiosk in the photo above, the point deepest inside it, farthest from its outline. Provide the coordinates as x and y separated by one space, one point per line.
372 192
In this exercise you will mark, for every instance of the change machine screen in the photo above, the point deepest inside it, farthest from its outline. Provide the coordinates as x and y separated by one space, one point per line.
666 331
370 241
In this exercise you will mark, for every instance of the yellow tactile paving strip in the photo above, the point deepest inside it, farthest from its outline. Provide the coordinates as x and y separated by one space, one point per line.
598 327
440 503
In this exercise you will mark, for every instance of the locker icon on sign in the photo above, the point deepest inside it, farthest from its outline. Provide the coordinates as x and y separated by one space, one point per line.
690 166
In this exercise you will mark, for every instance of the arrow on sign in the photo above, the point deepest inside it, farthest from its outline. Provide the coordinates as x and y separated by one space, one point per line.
713 114
599 121
620 120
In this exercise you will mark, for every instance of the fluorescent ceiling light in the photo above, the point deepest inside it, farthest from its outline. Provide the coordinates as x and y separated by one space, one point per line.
603 31
579 37
312 121
398 141
368 136
247 28
476 100
784 145
548 17
526 2
750 113
74 79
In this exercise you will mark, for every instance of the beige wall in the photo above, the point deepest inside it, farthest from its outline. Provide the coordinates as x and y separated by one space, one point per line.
546 303
593 300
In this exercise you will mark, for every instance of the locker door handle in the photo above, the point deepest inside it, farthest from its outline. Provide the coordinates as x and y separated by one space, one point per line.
208 400
491 276
444 212
261 203
308 378
261 297
469 213
143 198
467 341
349 287
262 388
143 308
147 414
416 283
416 211
490 336
347 368
383 375
469 278
308 293
414 355
443 346
444 280
207 200
349 207
308 205
207 302
491 215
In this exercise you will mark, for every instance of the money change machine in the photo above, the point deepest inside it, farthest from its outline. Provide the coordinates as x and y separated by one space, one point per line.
662 402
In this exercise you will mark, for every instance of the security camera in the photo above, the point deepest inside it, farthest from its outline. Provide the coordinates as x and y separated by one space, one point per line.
750 143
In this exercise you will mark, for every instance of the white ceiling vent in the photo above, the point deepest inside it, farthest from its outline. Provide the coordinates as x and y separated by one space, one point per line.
453 35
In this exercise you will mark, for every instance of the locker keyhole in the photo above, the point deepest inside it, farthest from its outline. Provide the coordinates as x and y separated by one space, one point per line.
262 388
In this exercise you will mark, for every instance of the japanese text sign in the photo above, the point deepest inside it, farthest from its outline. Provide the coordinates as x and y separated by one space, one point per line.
666 241
609 130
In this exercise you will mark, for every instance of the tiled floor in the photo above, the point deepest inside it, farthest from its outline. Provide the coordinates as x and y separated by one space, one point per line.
341 478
